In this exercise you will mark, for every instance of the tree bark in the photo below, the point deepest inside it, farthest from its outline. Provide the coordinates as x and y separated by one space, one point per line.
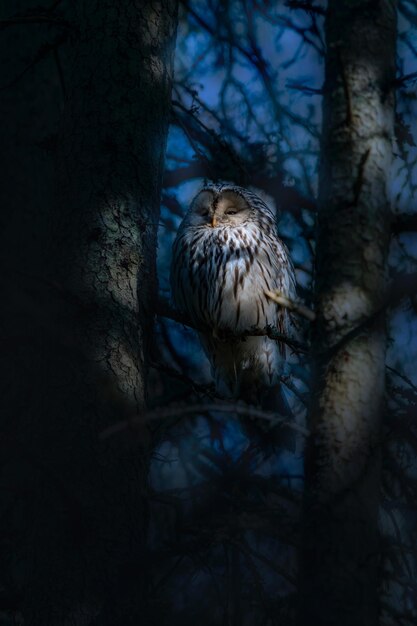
339 556
87 299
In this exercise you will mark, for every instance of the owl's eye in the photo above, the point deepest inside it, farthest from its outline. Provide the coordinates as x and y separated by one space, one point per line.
231 212
205 212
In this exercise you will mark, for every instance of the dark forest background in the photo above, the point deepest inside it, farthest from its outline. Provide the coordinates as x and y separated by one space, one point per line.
130 492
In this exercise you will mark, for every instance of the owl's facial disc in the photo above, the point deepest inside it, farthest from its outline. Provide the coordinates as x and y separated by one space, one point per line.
230 210
226 209
202 208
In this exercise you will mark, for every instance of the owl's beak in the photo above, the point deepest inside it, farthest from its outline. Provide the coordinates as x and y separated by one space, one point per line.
214 221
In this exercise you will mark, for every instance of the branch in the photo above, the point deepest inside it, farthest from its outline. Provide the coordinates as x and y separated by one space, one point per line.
254 57
406 223
308 91
174 411
305 6
399 82
288 198
402 286
34 19
196 387
41 54
292 305
173 178
164 309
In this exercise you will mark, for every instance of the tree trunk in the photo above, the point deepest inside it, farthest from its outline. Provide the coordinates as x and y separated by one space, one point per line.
88 301
339 556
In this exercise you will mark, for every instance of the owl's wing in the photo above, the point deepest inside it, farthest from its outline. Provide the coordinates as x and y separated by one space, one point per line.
286 283
181 281
284 269
188 285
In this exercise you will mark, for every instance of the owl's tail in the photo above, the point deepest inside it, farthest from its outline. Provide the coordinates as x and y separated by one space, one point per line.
249 371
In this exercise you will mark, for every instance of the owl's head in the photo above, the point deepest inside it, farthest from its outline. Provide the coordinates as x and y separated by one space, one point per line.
226 205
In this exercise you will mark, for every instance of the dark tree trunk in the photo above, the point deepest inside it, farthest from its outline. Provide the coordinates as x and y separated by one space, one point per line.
339 558
85 292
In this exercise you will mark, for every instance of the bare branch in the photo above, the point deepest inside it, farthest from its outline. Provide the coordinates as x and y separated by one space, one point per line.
308 91
34 19
41 54
196 387
401 80
292 305
181 410
308 7
406 223
402 286
164 309
254 57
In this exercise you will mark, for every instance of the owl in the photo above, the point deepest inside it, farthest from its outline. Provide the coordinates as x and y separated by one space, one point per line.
226 254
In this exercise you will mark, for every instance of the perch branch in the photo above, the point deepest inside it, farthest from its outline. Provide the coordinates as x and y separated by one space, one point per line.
164 309
179 410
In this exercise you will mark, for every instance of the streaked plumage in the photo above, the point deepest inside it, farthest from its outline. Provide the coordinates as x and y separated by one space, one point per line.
226 254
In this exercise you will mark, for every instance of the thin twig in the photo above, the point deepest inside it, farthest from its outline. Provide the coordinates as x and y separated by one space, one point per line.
308 7
292 305
399 82
162 413
174 373
34 19
404 223
41 54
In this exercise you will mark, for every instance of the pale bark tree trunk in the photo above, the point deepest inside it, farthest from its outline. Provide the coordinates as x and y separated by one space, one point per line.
89 301
339 556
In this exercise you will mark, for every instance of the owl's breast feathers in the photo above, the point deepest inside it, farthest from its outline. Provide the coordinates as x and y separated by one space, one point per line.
220 276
